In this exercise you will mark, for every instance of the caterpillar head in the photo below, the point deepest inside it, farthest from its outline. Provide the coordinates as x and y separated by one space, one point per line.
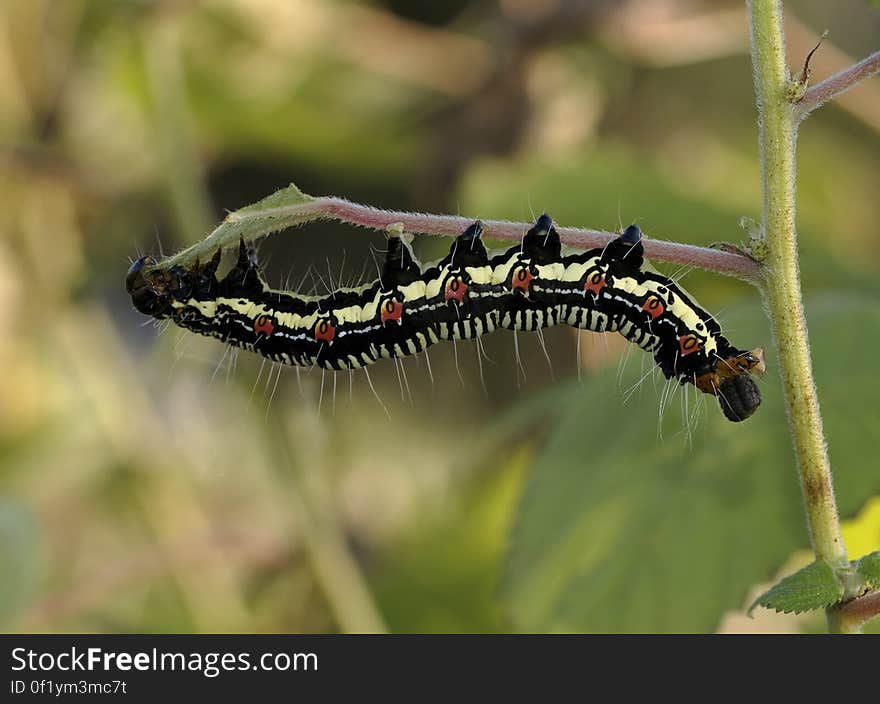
697 353
739 397
730 380
149 293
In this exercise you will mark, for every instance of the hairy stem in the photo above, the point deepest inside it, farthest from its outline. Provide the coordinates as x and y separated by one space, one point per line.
781 287
255 221
831 87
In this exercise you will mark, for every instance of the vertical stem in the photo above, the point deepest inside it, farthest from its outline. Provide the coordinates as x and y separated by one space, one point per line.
781 288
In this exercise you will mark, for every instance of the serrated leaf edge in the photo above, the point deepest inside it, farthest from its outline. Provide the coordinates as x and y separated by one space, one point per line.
764 599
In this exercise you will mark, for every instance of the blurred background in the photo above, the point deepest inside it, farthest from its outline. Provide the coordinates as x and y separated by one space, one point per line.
153 481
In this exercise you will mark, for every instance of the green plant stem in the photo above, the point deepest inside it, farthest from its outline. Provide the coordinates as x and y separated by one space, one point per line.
781 285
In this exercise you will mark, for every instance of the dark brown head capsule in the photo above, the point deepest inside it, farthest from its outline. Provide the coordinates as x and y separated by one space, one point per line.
144 295
739 397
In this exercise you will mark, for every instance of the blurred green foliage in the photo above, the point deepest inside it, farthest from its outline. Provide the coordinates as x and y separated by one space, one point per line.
624 535
157 482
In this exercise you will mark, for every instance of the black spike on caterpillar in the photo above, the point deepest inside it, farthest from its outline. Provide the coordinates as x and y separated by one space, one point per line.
468 293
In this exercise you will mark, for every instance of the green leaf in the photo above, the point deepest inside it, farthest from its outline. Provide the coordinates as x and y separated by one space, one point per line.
284 208
869 568
19 558
621 531
814 587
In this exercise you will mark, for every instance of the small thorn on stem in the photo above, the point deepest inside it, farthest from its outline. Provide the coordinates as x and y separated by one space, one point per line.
798 87
805 75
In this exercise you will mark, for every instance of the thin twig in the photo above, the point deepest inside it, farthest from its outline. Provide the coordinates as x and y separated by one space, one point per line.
822 92
254 222
861 610
715 260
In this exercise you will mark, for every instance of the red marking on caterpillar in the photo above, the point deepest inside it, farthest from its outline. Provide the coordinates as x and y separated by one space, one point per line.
264 325
595 283
325 331
654 307
456 289
688 344
392 311
522 279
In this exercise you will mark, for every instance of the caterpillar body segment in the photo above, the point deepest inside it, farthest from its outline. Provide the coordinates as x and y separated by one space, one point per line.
467 294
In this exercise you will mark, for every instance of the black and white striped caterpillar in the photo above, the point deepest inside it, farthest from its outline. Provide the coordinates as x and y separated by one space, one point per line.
466 294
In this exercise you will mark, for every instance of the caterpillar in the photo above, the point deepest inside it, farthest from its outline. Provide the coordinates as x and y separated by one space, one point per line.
468 293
